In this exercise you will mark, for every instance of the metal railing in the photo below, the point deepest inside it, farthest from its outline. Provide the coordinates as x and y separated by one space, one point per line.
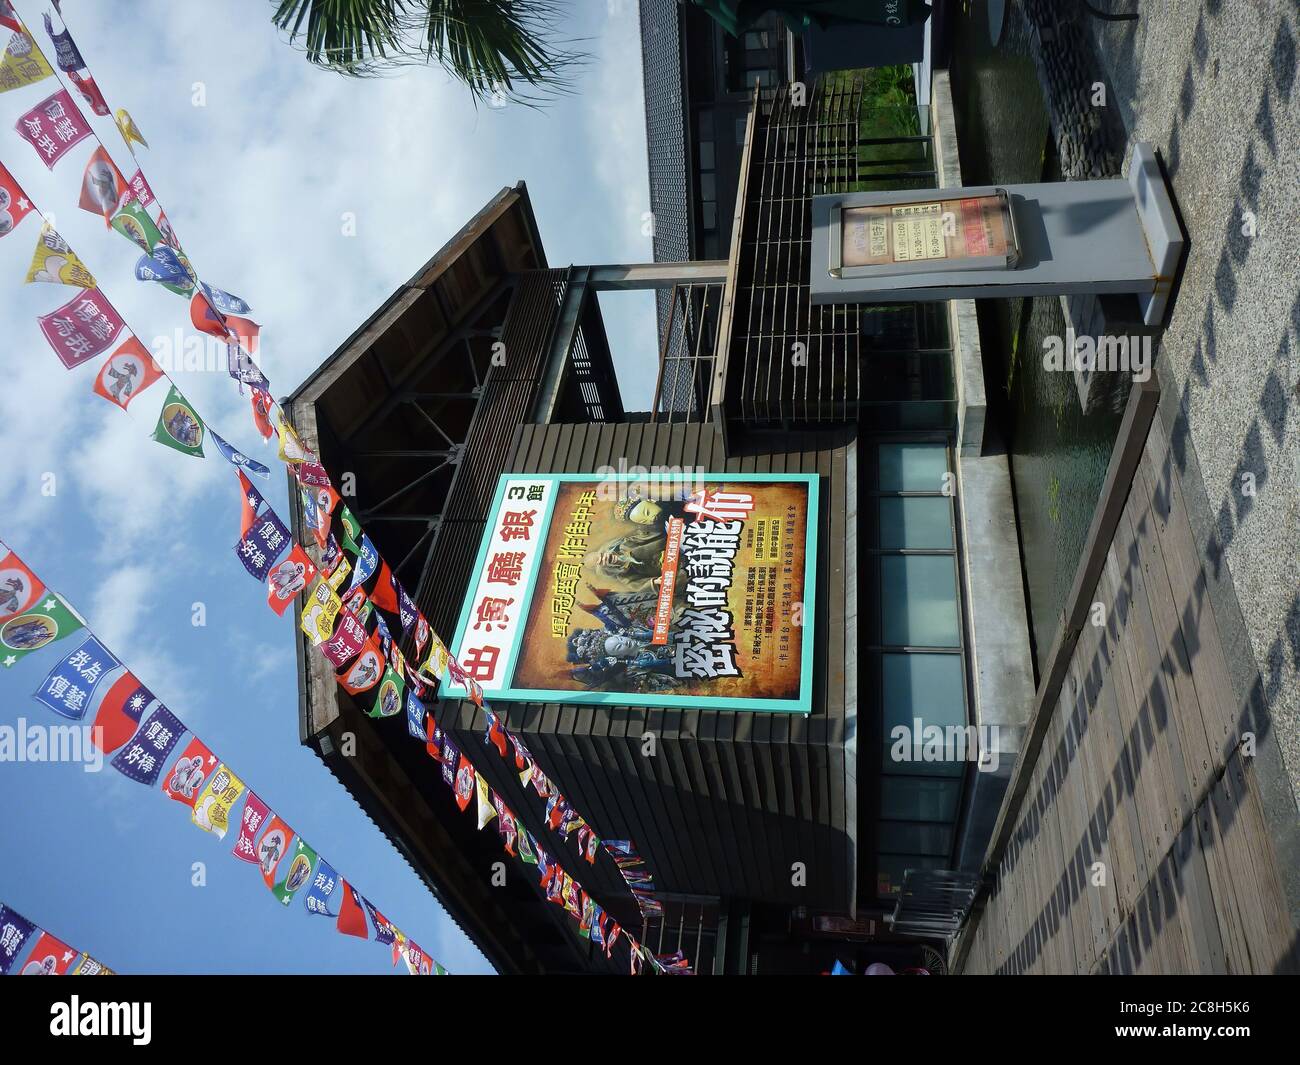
933 903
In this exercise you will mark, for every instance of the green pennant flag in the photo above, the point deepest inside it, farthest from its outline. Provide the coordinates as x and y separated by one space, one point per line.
388 695
134 223
299 871
187 289
351 530
526 853
179 426
438 970
48 620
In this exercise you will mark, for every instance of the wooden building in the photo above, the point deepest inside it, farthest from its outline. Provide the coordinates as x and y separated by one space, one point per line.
777 841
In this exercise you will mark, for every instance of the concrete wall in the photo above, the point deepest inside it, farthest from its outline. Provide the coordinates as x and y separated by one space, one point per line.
1002 675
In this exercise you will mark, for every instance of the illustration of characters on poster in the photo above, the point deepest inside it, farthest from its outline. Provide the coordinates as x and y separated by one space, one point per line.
651 593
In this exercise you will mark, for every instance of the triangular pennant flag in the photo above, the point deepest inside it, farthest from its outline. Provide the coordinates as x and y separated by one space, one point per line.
238 459
129 130
119 713
134 223
9 17
261 402
485 809
272 848
251 822
82 328
298 872
47 620
126 373
53 127
179 426
102 186
20 588
55 263
352 914
22 63
192 768
14 204
50 957
15 930
323 886
212 807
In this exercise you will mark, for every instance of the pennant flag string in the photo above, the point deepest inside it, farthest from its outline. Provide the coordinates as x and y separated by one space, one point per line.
49 956
76 332
31 617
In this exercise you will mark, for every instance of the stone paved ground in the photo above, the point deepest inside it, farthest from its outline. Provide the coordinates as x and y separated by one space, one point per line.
1213 86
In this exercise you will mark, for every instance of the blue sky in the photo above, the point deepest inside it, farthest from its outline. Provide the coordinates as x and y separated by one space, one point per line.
256 157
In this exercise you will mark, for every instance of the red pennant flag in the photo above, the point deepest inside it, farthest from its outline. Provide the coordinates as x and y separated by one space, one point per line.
102 186
365 672
496 733
9 18
19 586
352 916
262 412
207 319
50 957
251 500
119 714
85 85
384 595
126 373
186 778
273 846
14 204
141 191
465 783
432 741
288 578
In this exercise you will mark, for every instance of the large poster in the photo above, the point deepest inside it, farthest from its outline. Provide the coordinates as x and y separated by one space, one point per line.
690 591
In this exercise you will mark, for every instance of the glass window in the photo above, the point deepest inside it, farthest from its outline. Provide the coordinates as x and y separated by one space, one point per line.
913 838
919 798
929 688
912 467
706 155
709 214
915 521
740 130
919 601
891 868
705 125
708 187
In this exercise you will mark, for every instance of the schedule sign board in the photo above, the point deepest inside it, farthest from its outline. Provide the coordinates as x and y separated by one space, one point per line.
965 233
695 592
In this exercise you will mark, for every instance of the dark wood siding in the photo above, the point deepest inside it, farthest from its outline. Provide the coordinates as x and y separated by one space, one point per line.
731 801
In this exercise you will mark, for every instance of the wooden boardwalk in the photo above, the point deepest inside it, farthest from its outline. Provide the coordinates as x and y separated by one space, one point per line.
1141 845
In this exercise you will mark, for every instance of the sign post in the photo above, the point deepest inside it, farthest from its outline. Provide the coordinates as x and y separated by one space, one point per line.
1056 238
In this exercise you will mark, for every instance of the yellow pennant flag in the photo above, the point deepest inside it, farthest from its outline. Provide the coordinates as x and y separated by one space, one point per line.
485 810
212 807
340 574
320 609
129 130
22 64
435 664
291 448
56 263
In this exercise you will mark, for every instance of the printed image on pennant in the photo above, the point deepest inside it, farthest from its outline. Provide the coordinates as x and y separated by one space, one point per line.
179 426
22 63
272 848
102 186
55 263
298 872
50 957
126 373
82 328
53 127
134 223
212 807
365 672
47 620
320 608
71 684
186 778
288 578
129 130
143 758
238 459
388 699
85 85
19 586
14 204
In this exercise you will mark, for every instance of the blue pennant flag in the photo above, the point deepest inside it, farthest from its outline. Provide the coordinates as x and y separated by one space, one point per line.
163 266
415 716
266 540
367 562
238 458
69 687
144 757
323 886
15 930
243 369
224 301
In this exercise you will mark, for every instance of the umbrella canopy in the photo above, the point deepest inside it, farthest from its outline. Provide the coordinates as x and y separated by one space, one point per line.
736 16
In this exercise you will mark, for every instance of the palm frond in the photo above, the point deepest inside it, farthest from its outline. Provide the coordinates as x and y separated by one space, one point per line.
502 50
